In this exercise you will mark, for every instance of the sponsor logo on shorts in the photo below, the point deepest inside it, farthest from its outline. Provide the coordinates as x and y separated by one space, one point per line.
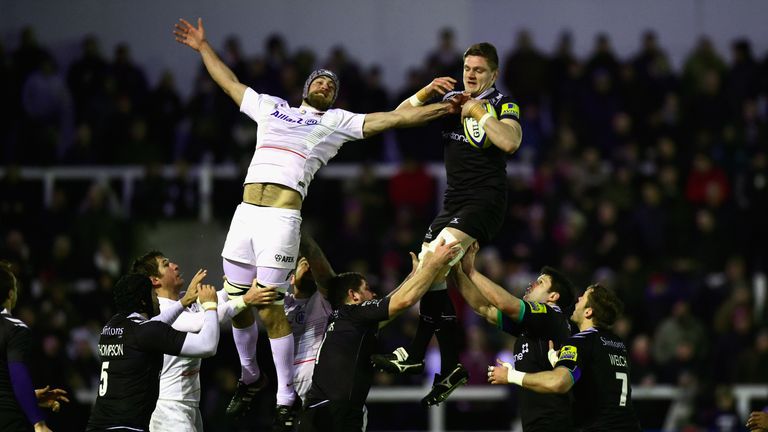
537 307
510 109
284 258
454 221
568 352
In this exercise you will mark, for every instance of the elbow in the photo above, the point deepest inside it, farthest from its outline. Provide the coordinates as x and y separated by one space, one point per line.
510 146
209 352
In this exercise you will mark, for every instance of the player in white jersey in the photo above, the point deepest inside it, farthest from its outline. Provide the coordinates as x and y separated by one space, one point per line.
177 408
307 309
292 143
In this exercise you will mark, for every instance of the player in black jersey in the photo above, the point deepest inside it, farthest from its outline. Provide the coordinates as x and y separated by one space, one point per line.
20 403
343 370
536 319
131 348
594 362
473 207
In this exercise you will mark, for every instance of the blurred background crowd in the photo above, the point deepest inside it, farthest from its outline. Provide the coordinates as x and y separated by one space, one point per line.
649 179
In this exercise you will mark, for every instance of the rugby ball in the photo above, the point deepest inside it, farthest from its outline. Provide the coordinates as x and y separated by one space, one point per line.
475 135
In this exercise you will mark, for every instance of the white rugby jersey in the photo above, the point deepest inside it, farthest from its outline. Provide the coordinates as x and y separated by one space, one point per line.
293 143
308 318
180 376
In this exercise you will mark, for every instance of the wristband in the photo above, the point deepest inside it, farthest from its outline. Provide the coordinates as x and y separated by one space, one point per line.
209 305
415 101
484 119
238 304
515 376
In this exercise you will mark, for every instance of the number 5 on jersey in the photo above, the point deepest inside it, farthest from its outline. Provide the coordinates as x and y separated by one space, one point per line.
103 379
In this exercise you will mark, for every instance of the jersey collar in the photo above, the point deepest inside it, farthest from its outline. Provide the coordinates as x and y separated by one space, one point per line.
306 108
487 91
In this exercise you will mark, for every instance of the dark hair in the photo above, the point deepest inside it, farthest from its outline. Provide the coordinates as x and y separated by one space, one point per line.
340 284
606 306
485 50
147 264
7 280
562 286
133 293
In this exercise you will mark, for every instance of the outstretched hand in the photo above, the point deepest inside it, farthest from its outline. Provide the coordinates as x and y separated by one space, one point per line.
51 398
498 374
190 35
457 101
443 253
440 86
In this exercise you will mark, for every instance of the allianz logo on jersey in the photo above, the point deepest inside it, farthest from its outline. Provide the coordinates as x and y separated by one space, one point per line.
294 120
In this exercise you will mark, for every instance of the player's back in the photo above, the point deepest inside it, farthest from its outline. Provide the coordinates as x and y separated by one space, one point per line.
603 394
15 342
129 377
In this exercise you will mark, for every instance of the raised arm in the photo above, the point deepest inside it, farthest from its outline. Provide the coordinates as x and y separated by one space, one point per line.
194 37
203 344
321 269
505 134
558 380
438 86
409 116
498 297
414 288
474 297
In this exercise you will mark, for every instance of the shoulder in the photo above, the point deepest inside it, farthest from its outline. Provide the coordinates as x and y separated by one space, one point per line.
252 95
13 322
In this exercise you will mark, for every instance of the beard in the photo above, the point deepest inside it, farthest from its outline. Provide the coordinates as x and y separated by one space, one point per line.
319 101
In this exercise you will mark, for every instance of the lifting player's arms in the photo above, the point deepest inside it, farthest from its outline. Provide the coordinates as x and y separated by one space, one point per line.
594 362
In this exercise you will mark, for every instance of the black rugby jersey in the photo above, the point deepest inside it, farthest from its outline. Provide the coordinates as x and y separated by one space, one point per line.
599 363
343 370
15 346
131 349
539 323
476 174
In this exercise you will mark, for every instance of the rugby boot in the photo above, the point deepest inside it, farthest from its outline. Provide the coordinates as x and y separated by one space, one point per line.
244 395
397 362
443 387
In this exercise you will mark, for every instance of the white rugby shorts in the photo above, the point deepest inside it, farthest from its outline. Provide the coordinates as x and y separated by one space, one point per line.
263 236
302 378
176 416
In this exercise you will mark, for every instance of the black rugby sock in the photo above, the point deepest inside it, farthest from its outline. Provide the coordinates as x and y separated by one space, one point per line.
429 316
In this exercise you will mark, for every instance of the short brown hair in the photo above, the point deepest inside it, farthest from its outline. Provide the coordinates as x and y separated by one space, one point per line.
147 264
606 305
485 50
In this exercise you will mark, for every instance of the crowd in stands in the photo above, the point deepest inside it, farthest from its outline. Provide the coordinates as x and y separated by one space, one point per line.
650 179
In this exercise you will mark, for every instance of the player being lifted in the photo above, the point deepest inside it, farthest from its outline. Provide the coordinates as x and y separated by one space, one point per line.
292 143
475 202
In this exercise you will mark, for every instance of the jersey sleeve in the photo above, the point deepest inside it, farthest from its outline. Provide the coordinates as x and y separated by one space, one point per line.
155 336
369 311
573 355
540 320
19 344
256 105
350 124
512 325
507 109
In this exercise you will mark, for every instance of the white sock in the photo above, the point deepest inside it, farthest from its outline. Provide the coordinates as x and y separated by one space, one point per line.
245 341
282 354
